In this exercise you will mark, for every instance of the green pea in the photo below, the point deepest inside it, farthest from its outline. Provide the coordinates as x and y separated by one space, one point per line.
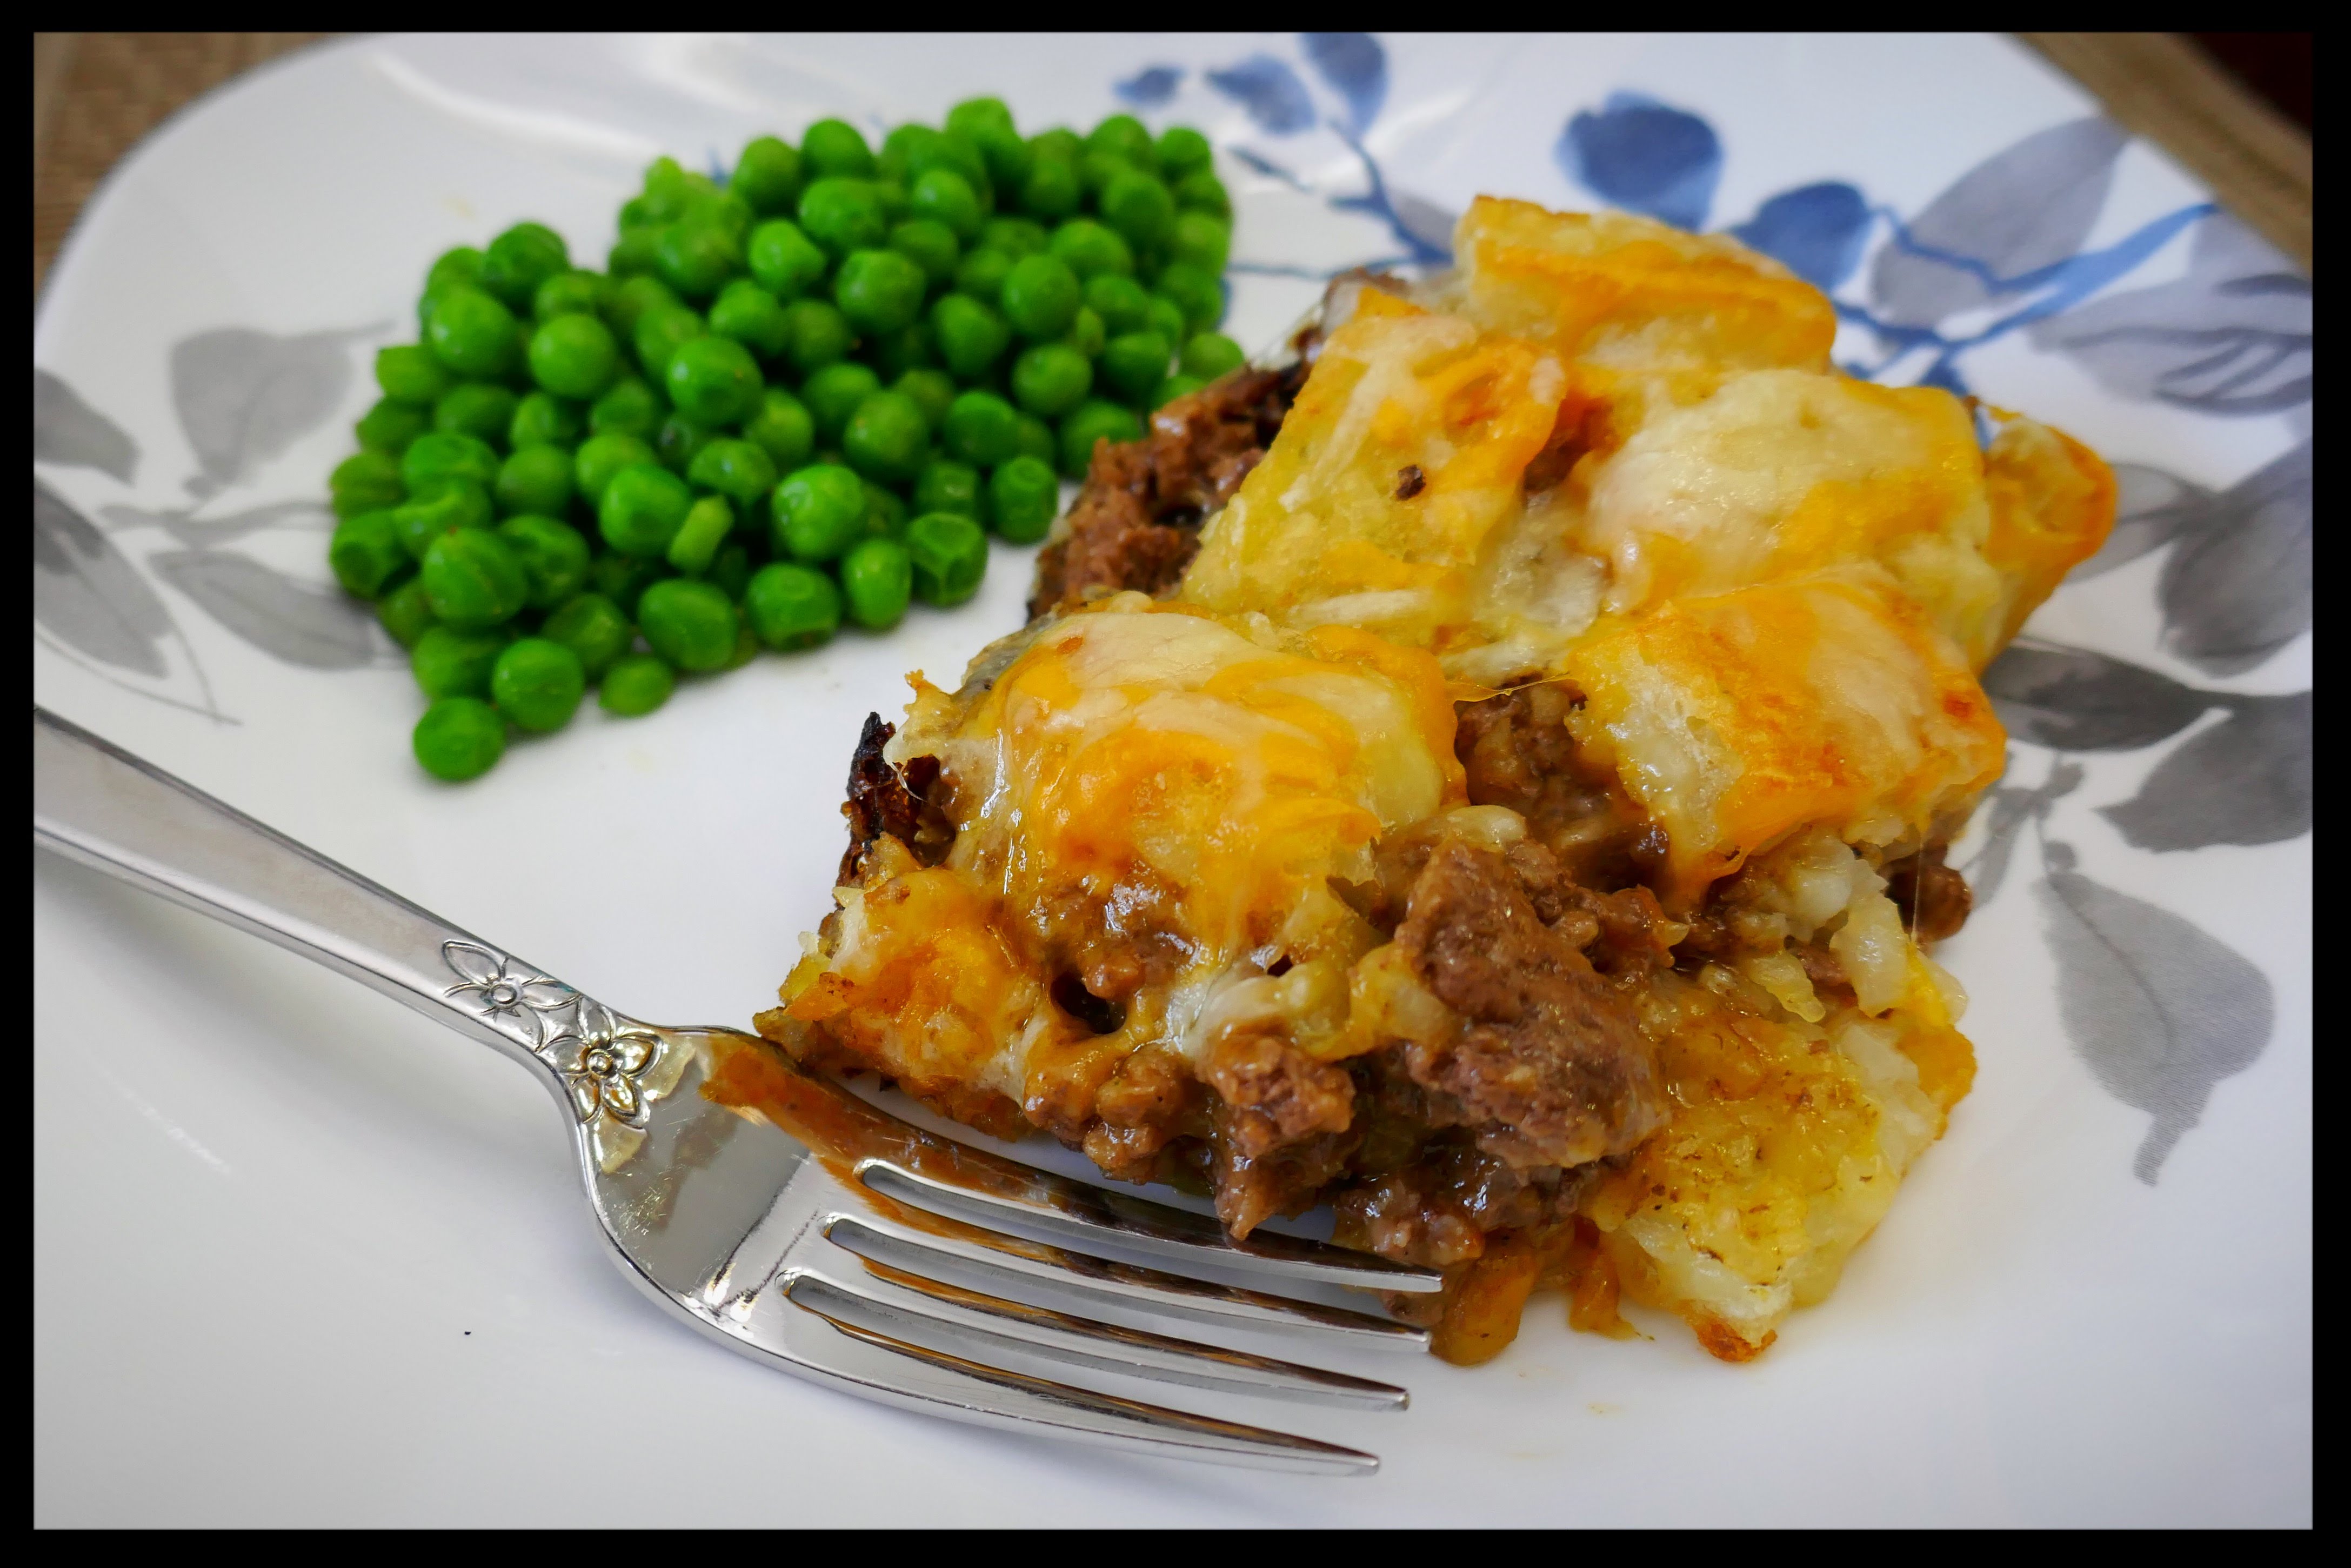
933 390
543 420
574 356
843 215
913 347
405 613
1199 293
1041 295
834 147
768 176
1090 249
390 427
1201 240
784 261
739 470
635 685
471 333
1167 320
1208 355
642 507
1182 150
713 381
1174 387
879 290
751 317
602 456
1024 494
366 482
885 511
948 554
459 738
1003 153
1202 191
660 332
481 410
412 373
445 455
887 438
680 441
690 624
973 113
448 662
1139 207
947 486
929 244
535 481
1032 437
1061 143
593 628
833 393
629 301
971 337
458 266
624 578
707 524
441 507
947 197
892 194
876 579
781 428
1052 379
979 429
519 260
538 682
820 336
1086 334
554 557
629 407
1051 189
473 578
1134 363
694 256
1016 238
1097 169
1122 304
790 606
568 294
1124 134
366 553
820 512
1095 421
956 153
981 275
631 256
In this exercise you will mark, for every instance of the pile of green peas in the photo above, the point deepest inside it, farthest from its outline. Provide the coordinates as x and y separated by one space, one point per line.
800 396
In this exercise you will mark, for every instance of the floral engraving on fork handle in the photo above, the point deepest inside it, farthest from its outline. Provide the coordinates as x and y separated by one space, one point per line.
603 1057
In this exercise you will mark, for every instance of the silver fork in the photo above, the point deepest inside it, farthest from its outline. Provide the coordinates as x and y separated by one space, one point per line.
721 1215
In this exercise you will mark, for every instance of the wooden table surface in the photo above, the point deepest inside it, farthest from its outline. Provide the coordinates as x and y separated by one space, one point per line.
96 94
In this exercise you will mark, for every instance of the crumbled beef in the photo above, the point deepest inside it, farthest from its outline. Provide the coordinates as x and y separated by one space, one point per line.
1518 752
1280 1131
1933 898
1553 1068
883 799
1136 523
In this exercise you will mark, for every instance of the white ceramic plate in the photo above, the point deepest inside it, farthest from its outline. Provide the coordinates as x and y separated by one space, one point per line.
300 1257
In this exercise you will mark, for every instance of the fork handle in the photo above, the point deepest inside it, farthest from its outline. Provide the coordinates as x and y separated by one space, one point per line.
95 803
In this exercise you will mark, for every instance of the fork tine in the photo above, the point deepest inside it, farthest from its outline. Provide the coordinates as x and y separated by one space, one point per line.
1003 1268
948 1317
1056 1209
877 1365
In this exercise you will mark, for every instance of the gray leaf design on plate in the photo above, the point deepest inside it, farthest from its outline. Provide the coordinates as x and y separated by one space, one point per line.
2008 809
2018 212
2158 1010
2239 589
202 532
1270 91
244 396
2246 780
1355 65
314 627
2151 510
87 595
68 432
2075 700
2232 337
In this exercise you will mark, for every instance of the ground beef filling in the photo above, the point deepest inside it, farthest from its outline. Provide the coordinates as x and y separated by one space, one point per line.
1136 523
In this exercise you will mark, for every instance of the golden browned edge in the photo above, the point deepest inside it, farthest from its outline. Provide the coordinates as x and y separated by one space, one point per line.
96 94
2162 86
